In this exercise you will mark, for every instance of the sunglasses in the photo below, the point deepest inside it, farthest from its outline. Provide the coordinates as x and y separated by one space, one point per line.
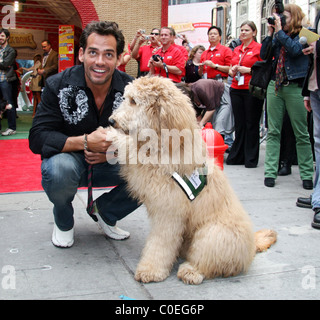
154 34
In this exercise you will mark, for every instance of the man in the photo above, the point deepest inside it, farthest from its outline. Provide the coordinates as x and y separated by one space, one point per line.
74 104
143 53
49 62
170 61
311 93
181 48
7 77
216 60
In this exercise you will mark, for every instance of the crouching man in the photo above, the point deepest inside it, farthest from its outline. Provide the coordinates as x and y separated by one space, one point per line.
74 104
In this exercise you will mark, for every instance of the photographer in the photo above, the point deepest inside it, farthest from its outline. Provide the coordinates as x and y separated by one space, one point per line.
168 61
143 53
284 92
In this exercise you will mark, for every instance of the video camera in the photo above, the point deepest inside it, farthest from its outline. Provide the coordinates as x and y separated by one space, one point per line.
279 10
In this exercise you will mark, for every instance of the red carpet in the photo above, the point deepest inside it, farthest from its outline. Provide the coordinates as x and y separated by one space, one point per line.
20 168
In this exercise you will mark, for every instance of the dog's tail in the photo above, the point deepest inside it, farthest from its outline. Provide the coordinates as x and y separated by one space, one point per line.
264 239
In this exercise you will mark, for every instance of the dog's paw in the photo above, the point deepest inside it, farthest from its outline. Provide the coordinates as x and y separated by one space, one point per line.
189 275
150 276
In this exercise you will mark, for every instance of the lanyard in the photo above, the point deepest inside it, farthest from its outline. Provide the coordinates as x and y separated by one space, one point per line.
242 56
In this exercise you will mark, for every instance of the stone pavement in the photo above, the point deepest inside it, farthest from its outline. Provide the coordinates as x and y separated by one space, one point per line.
99 268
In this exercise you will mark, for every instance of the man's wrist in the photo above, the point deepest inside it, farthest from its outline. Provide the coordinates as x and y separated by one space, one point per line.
85 142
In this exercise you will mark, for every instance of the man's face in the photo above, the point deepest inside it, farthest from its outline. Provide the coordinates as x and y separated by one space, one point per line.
46 46
3 39
214 37
100 59
165 37
155 36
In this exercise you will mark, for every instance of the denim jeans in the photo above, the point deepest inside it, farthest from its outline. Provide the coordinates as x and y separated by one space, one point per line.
315 104
64 173
6 89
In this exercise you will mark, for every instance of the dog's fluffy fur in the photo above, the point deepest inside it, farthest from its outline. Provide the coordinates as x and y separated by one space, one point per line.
213 233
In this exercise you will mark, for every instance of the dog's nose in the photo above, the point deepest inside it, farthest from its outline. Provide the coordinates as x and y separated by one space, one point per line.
112 122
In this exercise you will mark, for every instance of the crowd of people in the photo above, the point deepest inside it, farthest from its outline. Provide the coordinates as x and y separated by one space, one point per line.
79 100
10 76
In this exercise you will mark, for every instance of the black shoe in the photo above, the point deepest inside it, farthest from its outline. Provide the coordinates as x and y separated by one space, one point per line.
304 202
307 184
316 219
269 182
285 169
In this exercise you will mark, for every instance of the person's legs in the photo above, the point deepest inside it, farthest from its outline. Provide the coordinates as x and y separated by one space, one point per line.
276 110
298 118
61 177
236 155
315 104
64 173
6 90
253 110
117 203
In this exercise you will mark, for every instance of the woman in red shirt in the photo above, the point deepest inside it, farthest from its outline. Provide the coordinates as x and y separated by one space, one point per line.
246 108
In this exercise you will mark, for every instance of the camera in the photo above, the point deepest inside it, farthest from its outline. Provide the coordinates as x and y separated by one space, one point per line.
156 57
147 37
237 76
279 10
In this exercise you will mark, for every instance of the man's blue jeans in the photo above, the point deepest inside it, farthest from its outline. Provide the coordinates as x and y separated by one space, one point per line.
6 89
64 173
315 105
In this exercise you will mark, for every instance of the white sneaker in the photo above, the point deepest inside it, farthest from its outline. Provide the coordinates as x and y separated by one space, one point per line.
112 232
62 239
8 132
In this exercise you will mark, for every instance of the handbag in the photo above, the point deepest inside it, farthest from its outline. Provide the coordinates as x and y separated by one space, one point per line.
261 75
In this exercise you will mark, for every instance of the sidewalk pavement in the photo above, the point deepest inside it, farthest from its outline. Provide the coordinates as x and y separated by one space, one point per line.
99 268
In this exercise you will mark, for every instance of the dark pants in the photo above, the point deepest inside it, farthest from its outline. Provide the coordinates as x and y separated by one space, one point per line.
6 90
247 113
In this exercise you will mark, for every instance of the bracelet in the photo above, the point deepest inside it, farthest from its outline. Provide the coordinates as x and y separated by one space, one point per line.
85 141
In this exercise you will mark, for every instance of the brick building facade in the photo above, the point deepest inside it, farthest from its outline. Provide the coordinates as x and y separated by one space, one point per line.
130 15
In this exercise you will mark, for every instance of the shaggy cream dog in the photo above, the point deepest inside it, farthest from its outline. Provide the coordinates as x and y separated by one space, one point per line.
213 233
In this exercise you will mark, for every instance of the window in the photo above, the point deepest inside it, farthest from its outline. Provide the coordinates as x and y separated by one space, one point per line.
242 14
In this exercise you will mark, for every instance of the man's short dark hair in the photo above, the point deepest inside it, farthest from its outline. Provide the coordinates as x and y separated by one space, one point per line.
217 28
6 32
103 28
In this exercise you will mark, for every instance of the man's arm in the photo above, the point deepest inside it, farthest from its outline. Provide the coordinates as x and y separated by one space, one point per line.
95 142
8 61
51 67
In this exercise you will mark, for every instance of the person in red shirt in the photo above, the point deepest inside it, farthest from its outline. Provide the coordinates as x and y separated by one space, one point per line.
216 60
143 53
246 108
169 61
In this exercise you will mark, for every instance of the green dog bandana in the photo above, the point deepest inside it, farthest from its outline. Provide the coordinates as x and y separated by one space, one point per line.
192 185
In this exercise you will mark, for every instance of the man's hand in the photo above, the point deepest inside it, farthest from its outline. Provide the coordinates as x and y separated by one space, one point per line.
95 157
96 141
307 105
